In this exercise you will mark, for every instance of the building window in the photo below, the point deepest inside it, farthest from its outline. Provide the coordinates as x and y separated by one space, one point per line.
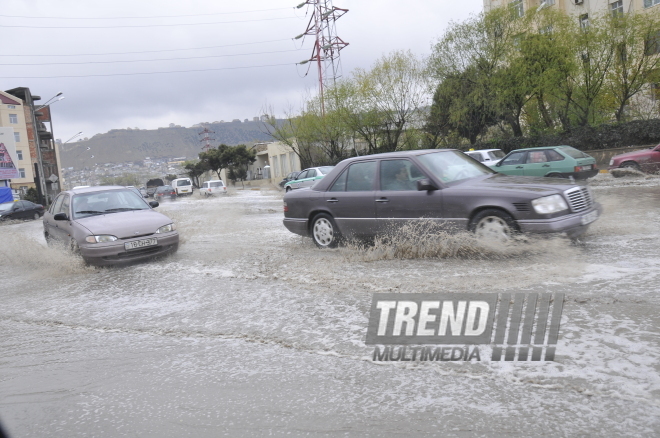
17 137
584 21
21 173
20 155
617 8
545 3
649 3
652 45
11 106
517 8
13 118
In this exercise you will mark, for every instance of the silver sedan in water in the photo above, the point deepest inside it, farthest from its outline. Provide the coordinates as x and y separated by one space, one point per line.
109 225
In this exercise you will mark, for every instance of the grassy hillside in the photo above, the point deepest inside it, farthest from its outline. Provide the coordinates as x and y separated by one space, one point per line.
120 145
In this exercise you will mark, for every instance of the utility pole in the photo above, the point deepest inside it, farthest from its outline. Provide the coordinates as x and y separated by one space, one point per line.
206 138
327 45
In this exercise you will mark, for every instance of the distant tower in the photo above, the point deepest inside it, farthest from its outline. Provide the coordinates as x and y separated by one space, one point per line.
327 44
206 139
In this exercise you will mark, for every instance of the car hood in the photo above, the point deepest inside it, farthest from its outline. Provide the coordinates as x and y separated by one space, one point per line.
522 185
635 154
126 223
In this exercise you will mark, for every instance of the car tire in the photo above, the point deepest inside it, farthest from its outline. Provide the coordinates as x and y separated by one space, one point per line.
288 189
493 225
324 231
555 175
631 165
36 216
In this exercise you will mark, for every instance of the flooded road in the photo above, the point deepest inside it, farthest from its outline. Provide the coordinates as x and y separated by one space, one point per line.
250 330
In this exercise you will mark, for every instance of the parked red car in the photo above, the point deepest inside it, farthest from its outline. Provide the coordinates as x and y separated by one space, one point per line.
647 160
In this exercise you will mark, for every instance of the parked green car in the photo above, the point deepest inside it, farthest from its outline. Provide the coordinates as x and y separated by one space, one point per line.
308 177
552 161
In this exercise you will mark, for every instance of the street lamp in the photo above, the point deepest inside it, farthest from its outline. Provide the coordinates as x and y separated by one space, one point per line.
80 133
50 101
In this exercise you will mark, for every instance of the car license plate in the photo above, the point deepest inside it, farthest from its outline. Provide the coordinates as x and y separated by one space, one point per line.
589 217
587 167
140 243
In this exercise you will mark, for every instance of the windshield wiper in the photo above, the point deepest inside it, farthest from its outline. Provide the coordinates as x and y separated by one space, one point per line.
123 209
89 212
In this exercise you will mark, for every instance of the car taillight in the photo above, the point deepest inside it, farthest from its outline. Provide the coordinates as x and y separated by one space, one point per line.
286 207
577 169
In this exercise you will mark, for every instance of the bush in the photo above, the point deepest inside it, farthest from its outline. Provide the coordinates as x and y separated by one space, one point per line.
32 195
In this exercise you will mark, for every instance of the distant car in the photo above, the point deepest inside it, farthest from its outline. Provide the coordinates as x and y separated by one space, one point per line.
213 187
377 194
308 177
21 210
290 177
647 160
109 225
163 192
153 184
489 157
552 161
183 186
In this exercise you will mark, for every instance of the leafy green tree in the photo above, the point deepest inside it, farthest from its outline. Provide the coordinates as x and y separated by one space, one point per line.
216 159
195 169
238 159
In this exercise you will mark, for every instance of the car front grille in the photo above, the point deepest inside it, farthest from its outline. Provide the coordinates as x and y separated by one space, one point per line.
136 236
579 199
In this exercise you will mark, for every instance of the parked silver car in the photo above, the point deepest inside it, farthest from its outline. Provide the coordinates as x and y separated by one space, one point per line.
373 194
109 225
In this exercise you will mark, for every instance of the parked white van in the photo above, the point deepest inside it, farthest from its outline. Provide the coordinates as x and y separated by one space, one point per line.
182 186
213 187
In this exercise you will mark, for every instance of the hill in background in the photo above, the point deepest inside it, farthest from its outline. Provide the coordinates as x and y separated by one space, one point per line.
122 145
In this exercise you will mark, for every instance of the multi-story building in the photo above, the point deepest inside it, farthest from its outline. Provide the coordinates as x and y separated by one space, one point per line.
12 115
44 158
579 8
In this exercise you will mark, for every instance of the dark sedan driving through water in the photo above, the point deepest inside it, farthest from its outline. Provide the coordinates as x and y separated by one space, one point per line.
370 195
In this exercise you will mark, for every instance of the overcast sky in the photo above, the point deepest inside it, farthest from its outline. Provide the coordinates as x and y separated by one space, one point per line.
115 54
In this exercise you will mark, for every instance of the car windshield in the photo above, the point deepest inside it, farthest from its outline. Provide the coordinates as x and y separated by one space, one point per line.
183 182
496 155
452 166
111 201
163 189
6 206
217 184
326 169
572 152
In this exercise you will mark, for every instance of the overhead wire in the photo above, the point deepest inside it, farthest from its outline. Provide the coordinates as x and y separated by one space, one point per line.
146 25
144 17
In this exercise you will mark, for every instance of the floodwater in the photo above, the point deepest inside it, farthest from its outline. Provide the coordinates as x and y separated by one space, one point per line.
250 330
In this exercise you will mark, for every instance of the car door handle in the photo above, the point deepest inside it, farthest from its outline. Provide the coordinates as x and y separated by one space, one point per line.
332 200
382 200
546 165
519 167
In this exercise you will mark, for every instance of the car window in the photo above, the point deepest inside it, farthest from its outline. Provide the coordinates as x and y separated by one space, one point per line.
205 185
23 204
514 158
57 204
217 184
111 201
64 208
184 182
361 177
536 157
476 156
496 155
311 173
554 155
399 175
302 175
325 169
452 166
340 183
572 152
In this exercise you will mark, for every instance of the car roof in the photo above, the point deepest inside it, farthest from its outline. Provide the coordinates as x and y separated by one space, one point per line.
96 189
543 147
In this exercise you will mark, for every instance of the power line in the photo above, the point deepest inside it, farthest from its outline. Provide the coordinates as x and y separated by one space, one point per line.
145 25
151 60
144 73
142 18
155 51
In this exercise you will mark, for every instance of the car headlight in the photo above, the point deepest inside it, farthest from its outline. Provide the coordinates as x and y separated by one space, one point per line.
549 204
100 238
166 228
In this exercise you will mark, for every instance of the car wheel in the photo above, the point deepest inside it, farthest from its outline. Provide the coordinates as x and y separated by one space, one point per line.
288 189
631 165
324 231
36 216
493 225
555 175
73 246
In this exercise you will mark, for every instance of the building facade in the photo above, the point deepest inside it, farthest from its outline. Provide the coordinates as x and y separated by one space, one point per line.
12 115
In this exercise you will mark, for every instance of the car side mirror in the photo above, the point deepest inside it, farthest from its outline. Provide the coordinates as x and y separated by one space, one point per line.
61 217
154 204
425 184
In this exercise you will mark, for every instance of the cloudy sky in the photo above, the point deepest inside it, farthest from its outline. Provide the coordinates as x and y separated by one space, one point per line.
148 63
